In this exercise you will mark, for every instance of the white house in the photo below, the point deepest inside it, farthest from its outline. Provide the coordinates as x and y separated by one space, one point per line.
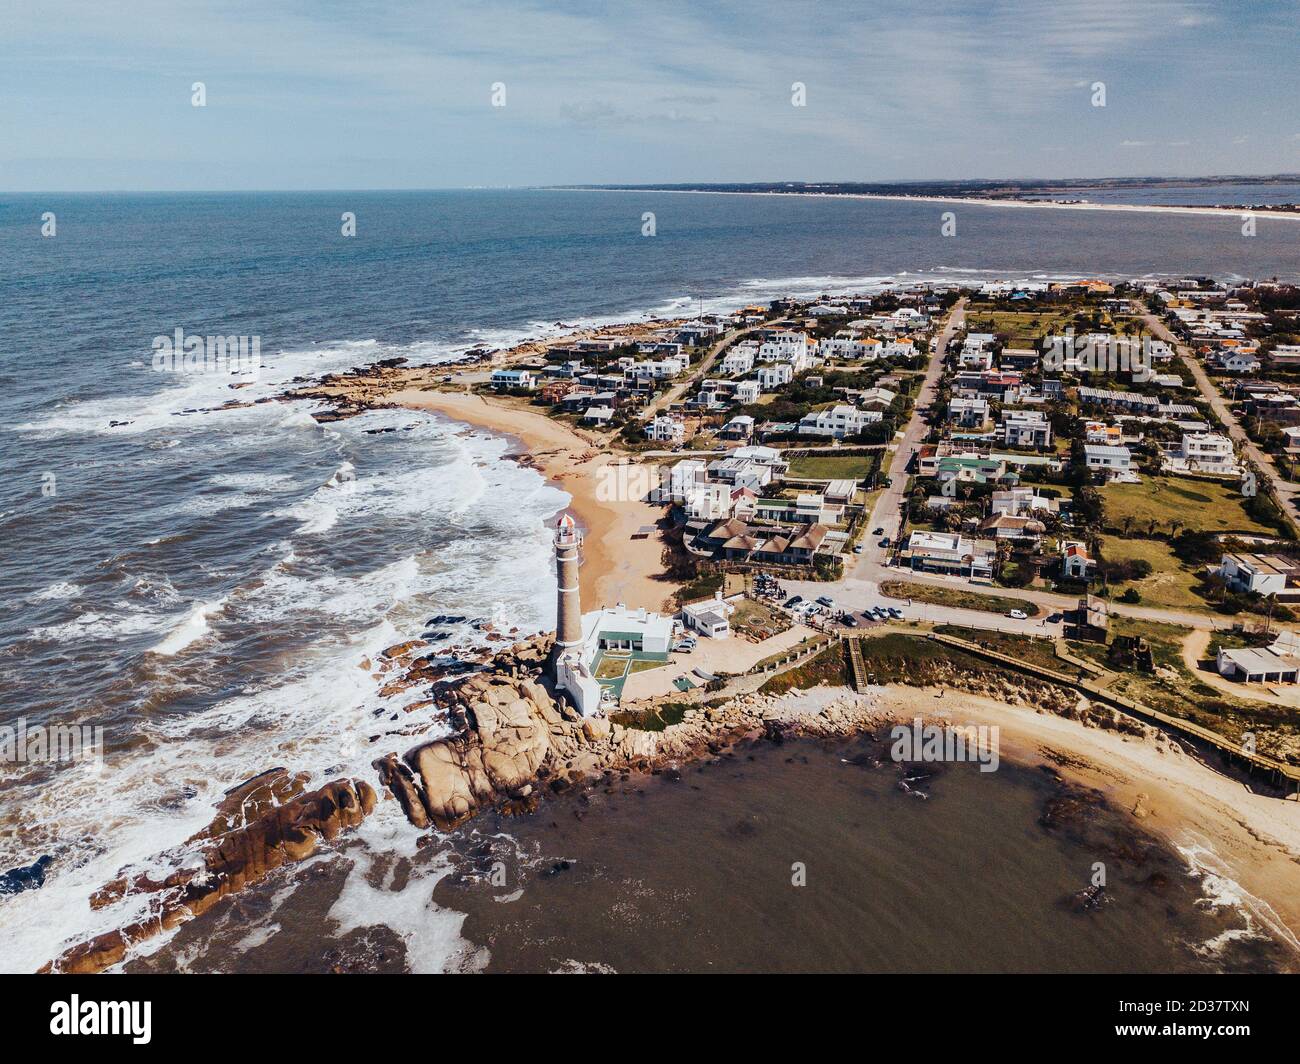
784 347
739 359
847 347
1263 574
666 429
1075 562
514 380
968 413
1107 459
684 476
709 617
1205 452
1026 428
837 421
774 376
748 391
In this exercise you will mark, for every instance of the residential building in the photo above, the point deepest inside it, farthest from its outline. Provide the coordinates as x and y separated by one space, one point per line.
1276 663
1205 452
837 421
514 380
1026 428
709 617
1260 574
1076 564
969 413
1109 460
950 552
666 429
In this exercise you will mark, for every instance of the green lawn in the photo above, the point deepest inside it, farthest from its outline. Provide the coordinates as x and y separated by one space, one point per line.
1197 505
833 466
957 598
1170 584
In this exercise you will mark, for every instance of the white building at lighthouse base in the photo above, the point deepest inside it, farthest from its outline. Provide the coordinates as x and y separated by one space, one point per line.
615 630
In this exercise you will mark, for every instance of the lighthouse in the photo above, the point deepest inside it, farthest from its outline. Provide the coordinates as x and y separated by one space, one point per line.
568 604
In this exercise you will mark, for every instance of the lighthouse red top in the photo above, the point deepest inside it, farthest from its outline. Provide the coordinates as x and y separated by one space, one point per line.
566 529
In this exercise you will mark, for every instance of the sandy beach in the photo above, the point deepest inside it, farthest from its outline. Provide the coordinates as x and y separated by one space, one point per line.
963 200
616 567
1248 841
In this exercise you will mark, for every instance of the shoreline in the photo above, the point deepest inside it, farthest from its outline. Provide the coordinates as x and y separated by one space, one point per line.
970 200
615 566
1248 841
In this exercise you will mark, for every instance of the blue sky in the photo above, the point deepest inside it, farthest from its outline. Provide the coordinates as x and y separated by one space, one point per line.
393 95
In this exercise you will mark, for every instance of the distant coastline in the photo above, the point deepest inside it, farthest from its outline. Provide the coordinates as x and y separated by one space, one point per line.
1282 210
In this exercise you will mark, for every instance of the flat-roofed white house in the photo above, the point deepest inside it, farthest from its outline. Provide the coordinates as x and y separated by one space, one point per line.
514 380
837 421
666 429
1026 428
968 413
951 552
1106 459
709 617
684 476
1262 574
1278 663
748 391
866 349
1204 452
739 359
774 376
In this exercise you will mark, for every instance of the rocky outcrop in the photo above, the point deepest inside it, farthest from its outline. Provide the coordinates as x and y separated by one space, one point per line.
511 737
263 823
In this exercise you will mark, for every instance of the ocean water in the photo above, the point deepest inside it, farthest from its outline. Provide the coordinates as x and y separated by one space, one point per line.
204 582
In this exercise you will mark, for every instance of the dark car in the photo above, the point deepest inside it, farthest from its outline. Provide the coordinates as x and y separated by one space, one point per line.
878 531
848 621
793 601
1055 618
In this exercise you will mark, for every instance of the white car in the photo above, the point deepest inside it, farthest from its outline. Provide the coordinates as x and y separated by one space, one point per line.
1018 615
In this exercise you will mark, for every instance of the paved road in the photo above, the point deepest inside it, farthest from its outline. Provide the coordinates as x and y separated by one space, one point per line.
1286 490
675 393
888 509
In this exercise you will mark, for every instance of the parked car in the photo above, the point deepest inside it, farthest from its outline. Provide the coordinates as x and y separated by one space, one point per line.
827 601
1056 618
895 612
1018 615
793 601
878 531
683 647
857 549
848 621
885 542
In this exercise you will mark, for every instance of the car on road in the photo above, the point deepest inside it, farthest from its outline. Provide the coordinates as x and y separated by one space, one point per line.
857 549
1018 615
885 542
1055 618
878 531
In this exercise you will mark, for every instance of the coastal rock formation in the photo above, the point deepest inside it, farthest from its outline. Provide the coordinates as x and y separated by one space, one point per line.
265 822
511 735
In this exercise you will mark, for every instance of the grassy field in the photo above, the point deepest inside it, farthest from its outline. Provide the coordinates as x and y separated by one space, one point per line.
1170 585
829 667
957 598
1196 505
1035 651
833 466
